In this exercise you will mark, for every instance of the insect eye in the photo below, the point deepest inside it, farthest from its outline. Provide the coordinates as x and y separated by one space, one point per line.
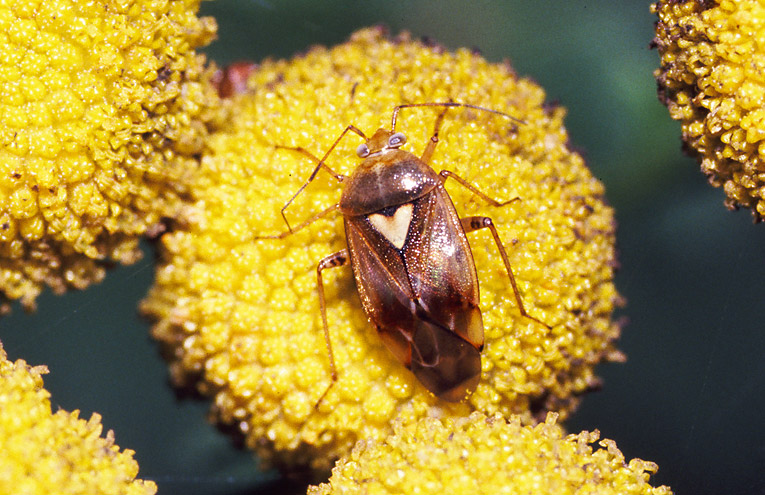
363 150
396 139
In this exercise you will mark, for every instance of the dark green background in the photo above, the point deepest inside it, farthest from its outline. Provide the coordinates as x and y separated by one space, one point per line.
690 396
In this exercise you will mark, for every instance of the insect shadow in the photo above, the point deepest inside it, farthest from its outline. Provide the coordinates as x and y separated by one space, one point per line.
410 256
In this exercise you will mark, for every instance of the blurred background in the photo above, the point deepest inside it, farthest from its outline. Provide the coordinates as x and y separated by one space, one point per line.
690 397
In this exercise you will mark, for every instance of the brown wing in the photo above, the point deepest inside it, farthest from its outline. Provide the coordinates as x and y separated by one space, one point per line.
441 268
423 297
383 284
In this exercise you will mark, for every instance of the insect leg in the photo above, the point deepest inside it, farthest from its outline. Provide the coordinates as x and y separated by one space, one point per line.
303 151
339 258
301 225
319 165
449 174
469 224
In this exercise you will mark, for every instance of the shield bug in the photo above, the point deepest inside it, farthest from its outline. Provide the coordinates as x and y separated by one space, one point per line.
410 256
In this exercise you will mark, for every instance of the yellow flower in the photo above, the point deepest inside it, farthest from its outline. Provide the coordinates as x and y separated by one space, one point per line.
103 107
243 314
44 453
712 79
480 455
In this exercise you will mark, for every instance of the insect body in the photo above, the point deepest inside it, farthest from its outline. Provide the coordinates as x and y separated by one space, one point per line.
411 259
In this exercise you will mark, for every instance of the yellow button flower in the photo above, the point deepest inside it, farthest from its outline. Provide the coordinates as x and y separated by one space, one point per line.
241 314
103 107
712 80
43 453
486 455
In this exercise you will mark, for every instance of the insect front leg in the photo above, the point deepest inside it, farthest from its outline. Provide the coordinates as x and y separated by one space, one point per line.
301 225
469 224
334 260
320 164
446 174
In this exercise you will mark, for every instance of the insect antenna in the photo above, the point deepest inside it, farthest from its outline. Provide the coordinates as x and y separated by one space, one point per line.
446 105
320 163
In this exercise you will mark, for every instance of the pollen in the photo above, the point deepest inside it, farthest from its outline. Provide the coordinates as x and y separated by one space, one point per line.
488 455
43 452
103 108
712 80
240 315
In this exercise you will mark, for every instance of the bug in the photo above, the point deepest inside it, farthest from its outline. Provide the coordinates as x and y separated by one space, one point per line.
410 256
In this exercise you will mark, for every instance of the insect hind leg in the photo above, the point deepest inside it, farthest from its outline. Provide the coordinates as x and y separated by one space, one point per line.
334 260
470 224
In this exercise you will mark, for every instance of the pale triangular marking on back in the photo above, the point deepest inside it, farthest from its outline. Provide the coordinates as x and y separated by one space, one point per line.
394 227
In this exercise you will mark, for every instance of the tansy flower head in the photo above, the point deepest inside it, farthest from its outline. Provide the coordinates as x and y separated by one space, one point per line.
712 80
242 313
480 455
43 452
103 107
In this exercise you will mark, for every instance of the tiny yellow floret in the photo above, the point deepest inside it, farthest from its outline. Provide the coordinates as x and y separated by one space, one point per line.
712 79
486 455
43 453
242 314
104 107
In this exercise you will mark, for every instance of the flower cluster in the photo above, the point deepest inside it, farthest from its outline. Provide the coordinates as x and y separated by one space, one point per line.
712 79
487 455
240 317
43 452
103 108
106 108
